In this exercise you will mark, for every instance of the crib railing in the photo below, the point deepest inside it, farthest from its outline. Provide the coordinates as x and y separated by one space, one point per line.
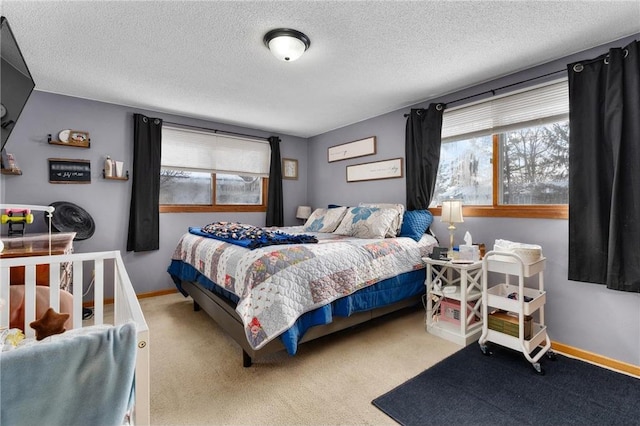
108 273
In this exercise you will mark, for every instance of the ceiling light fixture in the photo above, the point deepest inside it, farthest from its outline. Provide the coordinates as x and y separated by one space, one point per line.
286 44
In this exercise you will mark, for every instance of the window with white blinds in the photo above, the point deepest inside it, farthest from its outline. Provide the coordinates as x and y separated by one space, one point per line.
207 171
507 156
527 108
194 150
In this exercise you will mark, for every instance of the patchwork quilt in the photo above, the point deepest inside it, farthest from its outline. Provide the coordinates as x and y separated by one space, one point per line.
277 284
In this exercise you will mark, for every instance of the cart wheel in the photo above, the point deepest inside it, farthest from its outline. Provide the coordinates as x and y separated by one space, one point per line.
551 355
485 350
538 368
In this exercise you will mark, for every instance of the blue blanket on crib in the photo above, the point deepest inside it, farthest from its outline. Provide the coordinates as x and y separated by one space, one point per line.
82 380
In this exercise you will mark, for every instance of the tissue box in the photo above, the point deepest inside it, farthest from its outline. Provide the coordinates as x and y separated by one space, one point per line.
469 252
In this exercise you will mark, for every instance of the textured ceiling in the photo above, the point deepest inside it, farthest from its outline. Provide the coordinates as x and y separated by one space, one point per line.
207 60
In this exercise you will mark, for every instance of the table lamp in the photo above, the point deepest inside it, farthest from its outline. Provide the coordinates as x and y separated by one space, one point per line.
451 213
303 212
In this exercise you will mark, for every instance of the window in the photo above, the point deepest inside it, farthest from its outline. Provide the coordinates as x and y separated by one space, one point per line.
508 156
205 171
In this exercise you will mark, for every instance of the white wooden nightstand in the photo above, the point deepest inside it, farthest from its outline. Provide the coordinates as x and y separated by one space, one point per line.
454 300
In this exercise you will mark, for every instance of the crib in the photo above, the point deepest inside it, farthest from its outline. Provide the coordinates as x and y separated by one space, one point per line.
109 277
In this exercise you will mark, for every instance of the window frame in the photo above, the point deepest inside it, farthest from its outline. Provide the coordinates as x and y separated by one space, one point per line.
222 208
529 211
533 211
201 139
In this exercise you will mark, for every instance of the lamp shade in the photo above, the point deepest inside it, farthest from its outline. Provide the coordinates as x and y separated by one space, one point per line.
452 211
286 44
303 212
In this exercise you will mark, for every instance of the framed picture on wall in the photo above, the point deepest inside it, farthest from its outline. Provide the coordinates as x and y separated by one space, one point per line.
353 149
386 169
289 168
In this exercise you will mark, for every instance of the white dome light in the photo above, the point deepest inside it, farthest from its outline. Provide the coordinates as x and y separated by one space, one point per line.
286 44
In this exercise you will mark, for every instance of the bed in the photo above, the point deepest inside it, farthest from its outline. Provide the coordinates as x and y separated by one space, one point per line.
274 297
82 375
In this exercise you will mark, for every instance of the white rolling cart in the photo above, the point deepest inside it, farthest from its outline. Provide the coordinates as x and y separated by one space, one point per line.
524 302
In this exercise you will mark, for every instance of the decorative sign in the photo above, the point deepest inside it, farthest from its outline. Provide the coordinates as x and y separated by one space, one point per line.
386 169
62 170
352 149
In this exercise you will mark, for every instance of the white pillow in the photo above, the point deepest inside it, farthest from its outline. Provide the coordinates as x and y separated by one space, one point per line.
325 220
396 226
367 222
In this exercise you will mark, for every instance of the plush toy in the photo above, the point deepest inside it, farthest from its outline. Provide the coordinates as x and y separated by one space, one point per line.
17 305
51 323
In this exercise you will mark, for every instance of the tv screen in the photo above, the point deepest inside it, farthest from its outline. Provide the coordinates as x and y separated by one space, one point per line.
16 82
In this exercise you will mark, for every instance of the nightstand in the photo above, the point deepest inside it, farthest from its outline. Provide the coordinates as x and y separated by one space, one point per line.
454 315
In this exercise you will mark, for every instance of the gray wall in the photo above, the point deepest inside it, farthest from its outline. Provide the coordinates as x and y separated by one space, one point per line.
111 131
583 315
587 316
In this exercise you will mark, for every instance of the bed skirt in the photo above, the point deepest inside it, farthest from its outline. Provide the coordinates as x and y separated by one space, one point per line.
377 295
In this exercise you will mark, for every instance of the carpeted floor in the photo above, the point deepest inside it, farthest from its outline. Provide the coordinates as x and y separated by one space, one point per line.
197 376
503 389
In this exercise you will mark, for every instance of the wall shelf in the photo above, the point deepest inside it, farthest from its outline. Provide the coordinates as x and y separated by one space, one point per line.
126 177
70 143
16 172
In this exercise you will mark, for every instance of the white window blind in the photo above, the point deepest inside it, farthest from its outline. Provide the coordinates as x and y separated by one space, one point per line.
194 150
527 108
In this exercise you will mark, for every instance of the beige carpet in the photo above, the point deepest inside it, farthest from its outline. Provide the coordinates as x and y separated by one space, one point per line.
197 376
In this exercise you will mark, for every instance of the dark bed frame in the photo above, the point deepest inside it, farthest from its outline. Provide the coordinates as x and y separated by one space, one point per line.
223 312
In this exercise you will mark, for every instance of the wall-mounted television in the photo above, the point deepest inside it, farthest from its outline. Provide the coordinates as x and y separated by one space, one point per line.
16 81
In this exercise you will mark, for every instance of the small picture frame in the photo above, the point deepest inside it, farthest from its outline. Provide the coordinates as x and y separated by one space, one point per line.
289 168
79 138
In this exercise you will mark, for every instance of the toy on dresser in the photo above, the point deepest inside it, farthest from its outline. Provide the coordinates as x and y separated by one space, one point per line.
17 220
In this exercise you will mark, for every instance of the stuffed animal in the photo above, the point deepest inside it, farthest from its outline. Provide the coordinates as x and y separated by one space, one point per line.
17 305
51 323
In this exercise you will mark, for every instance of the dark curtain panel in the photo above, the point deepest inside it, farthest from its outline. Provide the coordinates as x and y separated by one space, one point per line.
275 211
144 212
604 169
422 154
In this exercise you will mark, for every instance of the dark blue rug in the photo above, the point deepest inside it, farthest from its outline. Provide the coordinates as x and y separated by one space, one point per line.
503 389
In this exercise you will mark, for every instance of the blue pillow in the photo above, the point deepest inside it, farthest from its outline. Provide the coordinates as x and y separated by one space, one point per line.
415 223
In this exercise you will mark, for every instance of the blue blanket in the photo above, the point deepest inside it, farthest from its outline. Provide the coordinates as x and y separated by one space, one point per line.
249 236
83 380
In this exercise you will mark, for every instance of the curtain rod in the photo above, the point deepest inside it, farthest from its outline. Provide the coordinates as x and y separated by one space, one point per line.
228 132
493 91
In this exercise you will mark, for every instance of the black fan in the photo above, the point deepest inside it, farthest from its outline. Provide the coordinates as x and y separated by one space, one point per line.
69 217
